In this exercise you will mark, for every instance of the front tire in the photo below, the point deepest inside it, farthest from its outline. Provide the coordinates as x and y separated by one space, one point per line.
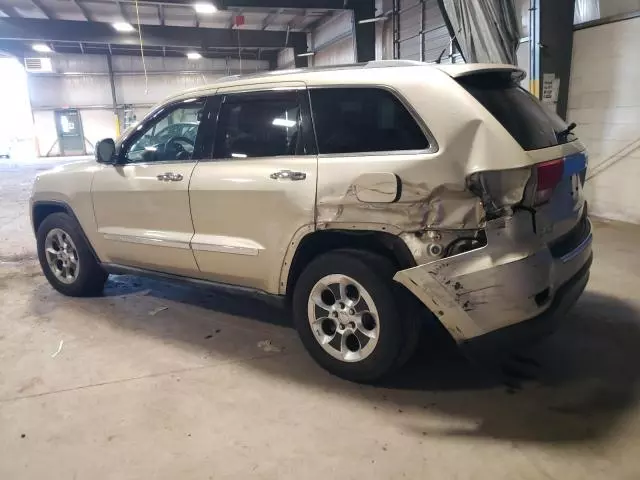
66 258
348 312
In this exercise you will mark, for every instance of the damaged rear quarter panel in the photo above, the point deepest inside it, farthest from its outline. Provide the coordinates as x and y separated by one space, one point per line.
439 202
434 194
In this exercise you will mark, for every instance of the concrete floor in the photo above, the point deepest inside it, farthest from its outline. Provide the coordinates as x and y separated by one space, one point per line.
191 392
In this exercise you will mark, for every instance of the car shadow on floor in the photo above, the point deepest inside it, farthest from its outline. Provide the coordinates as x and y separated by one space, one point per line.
575 386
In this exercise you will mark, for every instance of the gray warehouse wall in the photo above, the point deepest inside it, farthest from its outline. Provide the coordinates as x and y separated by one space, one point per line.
604 102
82 82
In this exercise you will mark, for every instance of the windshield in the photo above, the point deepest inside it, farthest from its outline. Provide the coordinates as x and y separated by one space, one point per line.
532 124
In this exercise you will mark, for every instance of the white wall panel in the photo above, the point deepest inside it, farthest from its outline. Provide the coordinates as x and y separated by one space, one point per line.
286 58
333 41
69 88
339 53
97 124
45 132
47 91
609 8
604 102
338 25
131 89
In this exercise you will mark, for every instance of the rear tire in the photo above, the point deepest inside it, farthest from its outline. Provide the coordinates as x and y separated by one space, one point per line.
322 322
66 259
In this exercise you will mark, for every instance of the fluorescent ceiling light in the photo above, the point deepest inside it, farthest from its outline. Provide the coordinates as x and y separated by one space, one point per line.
307 54
193 56
41 47
373 20
123 27
283 122
205 8
239 155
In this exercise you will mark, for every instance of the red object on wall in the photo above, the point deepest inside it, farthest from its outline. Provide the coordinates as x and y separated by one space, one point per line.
239 20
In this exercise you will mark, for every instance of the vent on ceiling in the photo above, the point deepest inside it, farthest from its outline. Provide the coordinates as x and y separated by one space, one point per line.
38 64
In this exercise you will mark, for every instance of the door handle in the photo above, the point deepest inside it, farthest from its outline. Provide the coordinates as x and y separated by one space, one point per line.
170 177
288 175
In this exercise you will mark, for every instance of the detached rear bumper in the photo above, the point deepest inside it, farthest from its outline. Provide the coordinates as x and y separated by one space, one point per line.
513 280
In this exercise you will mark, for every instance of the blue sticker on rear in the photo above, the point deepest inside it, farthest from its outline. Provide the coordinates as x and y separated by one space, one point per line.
574 164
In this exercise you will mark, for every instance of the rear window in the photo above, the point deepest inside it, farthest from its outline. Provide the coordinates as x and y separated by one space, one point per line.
532 124
360 120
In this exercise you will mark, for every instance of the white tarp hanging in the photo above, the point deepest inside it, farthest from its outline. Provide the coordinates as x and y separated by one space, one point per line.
486 30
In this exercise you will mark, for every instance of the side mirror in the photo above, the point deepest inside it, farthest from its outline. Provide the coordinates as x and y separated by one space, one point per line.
106 151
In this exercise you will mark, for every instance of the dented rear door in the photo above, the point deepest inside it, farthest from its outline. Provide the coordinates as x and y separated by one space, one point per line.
258 187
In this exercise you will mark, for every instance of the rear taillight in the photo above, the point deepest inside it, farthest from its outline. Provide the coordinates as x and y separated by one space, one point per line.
499 189
548 176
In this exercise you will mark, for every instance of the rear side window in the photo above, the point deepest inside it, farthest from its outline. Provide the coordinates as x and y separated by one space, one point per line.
360 120
258 126
528 121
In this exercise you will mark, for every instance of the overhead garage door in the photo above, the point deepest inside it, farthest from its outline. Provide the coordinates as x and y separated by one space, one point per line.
422 21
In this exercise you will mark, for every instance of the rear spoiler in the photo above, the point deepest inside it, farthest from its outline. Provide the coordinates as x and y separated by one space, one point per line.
466 69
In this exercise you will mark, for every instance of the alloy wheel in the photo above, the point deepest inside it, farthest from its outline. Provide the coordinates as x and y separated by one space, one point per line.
343 318
62 255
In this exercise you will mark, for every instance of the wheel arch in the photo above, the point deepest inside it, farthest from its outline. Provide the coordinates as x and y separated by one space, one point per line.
319 242
41 209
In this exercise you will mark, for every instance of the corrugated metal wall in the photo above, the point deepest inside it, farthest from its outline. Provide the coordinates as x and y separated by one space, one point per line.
286 58
333 41
339 53
422 16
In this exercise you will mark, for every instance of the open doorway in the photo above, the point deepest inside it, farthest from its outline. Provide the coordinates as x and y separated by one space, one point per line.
16 121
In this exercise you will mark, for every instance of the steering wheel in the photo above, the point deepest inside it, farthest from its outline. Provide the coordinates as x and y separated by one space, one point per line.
174 144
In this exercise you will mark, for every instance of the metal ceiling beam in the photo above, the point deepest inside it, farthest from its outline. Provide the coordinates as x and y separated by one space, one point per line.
253 4
83 9
21 50
45 10
161 14
9 10
269 18
123 12
153 35
306 4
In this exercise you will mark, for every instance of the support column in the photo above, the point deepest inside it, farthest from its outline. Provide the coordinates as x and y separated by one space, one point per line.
555 46
365 34
298 48
113 94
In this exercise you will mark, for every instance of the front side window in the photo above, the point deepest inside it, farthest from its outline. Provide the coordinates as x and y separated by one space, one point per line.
360 120
171 136
259 126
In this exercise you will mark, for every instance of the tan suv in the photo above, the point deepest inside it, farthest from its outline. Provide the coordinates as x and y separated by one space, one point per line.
352 191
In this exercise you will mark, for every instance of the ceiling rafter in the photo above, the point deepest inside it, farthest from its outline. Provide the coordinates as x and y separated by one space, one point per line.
83 9
269 18
123 12
45 10
161 18
30 29
9 10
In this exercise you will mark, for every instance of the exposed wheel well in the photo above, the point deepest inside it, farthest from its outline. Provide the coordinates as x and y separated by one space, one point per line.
43 210
317 243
